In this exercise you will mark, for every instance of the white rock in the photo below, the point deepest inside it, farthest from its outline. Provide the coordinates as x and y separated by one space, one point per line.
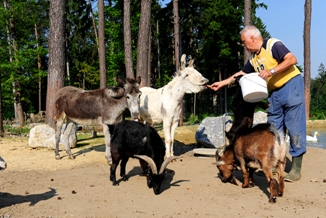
43 135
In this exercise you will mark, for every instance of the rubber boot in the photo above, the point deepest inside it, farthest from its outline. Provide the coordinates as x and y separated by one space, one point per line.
295 172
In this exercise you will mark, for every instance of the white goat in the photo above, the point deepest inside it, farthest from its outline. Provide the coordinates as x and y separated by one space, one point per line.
3 164
163 104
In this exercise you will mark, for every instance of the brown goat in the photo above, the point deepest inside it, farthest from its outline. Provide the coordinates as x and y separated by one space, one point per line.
260 147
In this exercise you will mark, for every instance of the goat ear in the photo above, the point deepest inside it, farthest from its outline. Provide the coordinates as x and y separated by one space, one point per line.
144 140
219 163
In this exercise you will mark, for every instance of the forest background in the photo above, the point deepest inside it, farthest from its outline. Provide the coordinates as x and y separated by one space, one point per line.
209 32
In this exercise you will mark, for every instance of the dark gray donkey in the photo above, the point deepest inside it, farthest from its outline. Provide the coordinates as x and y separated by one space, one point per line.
96 107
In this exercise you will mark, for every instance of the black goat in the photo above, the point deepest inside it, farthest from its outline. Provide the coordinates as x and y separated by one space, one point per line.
134 139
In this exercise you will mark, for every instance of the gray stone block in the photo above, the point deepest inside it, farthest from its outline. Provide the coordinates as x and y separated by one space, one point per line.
211 132
43 135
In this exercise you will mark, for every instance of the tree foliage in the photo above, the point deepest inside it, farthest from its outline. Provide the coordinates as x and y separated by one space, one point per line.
318 100
209 32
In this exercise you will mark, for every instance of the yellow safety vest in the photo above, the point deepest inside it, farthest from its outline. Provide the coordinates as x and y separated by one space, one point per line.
265 60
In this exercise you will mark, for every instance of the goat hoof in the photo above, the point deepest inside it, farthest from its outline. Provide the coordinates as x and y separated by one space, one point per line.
116 184
71 157
58 157
280 194
125 178
272 200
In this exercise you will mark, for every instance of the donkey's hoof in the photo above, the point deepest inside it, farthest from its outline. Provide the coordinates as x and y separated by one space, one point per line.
58 157
71 157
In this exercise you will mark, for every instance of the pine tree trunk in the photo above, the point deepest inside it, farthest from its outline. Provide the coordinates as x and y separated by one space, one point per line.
39 65
127 39
177 48
307 73
247 21
101 38
143 41
57 56
19 112
2 132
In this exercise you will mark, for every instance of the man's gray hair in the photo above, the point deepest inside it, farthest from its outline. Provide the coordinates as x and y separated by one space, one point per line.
251 31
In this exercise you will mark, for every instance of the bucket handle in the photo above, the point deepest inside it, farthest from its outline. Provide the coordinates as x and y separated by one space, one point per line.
253 81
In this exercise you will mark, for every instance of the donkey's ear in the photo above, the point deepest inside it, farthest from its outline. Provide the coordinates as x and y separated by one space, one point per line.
191 63
120 81
138 79
183 62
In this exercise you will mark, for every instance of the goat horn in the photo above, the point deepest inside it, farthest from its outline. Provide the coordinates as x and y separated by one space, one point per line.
149 161
219 154
167 161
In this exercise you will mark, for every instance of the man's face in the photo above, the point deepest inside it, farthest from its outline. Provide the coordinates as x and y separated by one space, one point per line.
248 42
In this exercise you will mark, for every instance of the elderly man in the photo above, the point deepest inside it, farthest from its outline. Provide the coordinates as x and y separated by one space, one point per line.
276 64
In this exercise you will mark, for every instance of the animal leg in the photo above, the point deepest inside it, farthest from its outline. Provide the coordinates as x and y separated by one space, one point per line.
173 128
167 138
67 133
251 177
244 170
123 168
280 170
272 183
115 163
59 125
107 137
245 179
273 190
112 172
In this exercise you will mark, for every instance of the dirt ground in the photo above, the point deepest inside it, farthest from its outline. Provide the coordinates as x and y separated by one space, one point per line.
36 185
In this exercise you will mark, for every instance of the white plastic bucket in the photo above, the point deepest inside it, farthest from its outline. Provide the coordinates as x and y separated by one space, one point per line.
253 87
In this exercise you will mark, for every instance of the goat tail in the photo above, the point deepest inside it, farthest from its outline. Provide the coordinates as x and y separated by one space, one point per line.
279 136
149 161
280 144
167 161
